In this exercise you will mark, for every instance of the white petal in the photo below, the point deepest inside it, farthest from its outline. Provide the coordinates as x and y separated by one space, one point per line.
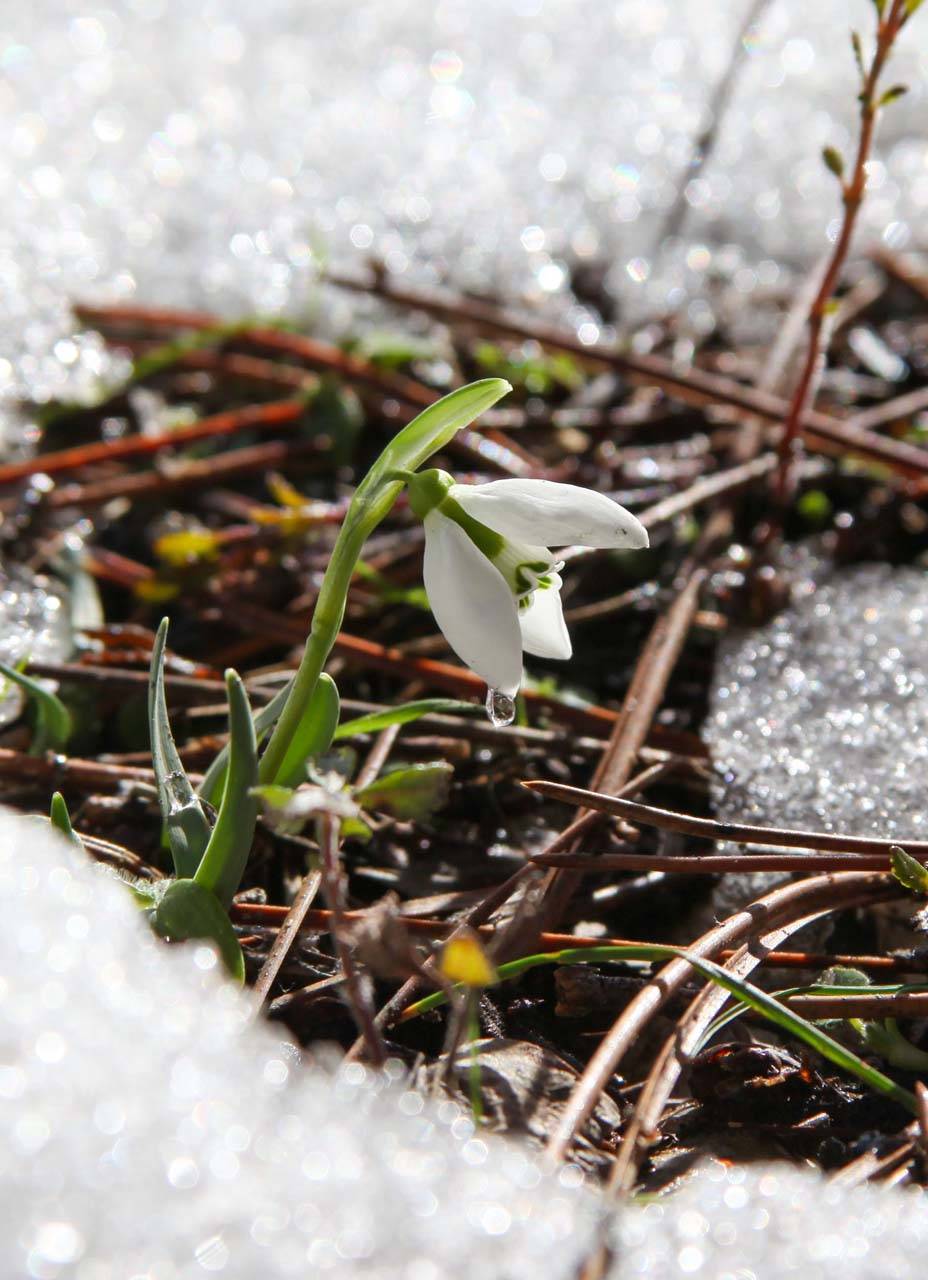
472 604
552 514
544 631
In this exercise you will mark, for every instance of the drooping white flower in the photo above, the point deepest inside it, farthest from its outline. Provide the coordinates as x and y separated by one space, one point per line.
493 584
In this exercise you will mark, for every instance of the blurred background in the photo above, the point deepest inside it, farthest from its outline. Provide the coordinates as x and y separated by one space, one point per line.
606 161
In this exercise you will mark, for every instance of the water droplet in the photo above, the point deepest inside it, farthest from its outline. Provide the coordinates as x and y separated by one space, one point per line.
501 709
179 794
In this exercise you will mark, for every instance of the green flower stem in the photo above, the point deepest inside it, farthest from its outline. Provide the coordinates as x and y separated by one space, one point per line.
374 497
473 1035
372 501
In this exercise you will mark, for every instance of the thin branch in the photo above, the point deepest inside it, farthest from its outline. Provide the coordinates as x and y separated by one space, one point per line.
852 195
355 994
667 820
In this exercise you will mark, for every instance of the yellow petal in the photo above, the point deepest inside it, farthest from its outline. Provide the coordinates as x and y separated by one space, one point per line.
464 960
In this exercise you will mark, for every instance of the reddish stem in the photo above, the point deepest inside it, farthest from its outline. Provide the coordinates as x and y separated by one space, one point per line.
853 194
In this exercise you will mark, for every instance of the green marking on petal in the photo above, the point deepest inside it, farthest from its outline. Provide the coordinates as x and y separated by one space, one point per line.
490 543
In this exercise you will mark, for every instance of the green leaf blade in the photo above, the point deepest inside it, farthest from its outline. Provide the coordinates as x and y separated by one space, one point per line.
406 713
436 425
223 863
52 718
909 871
185 822
410 794
61 820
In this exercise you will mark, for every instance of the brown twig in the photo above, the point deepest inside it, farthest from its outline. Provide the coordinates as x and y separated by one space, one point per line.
319 920
639 707
711 864
286 936
261 417
355 994
786 902
693 387
709 829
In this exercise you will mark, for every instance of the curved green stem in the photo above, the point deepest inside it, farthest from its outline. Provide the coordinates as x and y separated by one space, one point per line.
374 497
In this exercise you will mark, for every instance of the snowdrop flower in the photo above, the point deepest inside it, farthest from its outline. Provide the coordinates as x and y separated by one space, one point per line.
493 585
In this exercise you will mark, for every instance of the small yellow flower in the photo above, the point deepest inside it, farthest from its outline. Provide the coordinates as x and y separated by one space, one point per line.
464 960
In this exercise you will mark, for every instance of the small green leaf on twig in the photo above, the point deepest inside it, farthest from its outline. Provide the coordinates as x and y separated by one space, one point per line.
891 94
834 161
52 718
911 6
857 46
185 822
409 794
909 871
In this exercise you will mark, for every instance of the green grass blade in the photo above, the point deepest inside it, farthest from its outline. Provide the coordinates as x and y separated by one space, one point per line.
750 995
52 718
61 820
214 778
230 843
404 714
185 822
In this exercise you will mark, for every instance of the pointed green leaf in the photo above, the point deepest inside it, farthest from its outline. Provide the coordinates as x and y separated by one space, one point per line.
190 911
52 718
857 46
438 424
230 843
185 822
834 161
407 712
409 794
891 94
61 819
214 779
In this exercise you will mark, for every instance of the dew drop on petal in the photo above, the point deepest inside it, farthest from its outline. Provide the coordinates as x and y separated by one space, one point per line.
501 709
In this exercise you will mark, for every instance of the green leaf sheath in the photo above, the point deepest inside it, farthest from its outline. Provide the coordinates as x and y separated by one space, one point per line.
230 843
374 497
185 822
188 911
314 733
52 718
